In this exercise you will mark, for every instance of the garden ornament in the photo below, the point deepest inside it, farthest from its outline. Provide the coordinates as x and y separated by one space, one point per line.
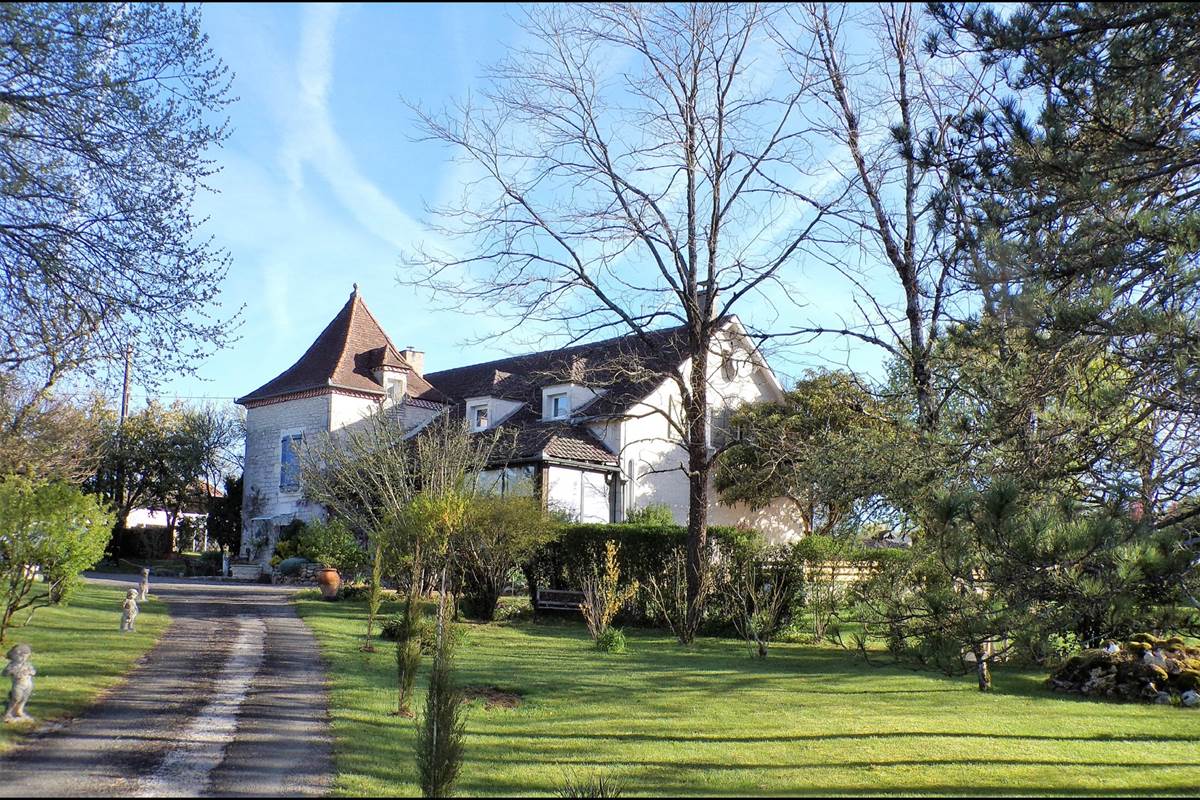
144 589
129 610
21 671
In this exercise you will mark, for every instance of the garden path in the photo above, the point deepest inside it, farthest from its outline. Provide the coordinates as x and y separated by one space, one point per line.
231 702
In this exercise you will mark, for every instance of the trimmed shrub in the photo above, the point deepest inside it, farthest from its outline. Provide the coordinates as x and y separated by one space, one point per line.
655 514
290 567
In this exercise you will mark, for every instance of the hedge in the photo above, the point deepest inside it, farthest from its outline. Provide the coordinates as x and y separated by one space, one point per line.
645 549
820 549
644 553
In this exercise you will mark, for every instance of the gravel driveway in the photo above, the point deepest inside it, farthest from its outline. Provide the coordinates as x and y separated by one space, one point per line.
231 702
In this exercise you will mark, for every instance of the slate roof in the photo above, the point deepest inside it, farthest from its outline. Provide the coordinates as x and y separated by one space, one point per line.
623 369
344 356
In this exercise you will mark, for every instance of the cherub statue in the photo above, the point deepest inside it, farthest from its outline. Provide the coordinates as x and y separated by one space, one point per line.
21 671
129 610
144 589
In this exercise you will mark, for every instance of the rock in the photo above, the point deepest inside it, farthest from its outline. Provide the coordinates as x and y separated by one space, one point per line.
1190 698
1163 698
1155 658
1141 670
21 670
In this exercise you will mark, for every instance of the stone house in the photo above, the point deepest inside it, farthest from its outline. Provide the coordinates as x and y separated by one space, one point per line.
592 436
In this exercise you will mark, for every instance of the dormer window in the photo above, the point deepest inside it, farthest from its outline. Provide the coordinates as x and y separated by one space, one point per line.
478 415
394 385
560 405
562 400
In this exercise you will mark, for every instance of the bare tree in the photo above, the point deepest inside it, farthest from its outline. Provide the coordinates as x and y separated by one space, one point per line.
633 165
892 113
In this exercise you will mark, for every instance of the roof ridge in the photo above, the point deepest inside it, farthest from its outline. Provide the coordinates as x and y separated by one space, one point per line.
387 339
353 303
581 346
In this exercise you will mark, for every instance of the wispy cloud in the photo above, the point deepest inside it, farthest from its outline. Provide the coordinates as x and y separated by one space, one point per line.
312 141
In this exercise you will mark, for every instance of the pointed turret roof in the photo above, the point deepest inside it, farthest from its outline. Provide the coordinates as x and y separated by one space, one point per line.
344 356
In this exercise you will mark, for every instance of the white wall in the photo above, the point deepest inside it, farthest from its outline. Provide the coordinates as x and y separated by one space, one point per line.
264 428
499 409
346 410
658 460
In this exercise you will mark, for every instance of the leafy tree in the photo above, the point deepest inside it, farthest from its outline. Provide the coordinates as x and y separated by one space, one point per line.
999 568
49 525
828 447
225 515
163 457
108 114
1085 195
45 435
409 495
501 533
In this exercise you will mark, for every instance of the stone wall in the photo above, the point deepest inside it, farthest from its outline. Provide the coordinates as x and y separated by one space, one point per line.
265 508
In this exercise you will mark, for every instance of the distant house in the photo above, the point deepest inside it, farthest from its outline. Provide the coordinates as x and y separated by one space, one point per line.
590 421
185 527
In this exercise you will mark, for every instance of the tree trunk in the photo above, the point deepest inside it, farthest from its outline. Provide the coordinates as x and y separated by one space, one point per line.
698 468
982 671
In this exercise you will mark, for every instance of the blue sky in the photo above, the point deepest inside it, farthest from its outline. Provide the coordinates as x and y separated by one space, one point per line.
323 185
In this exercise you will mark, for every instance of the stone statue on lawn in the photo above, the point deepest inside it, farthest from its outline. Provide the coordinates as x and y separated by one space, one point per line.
144 589
21 670
129 611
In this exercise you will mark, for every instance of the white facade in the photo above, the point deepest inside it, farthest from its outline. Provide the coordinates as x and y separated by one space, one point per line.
652 457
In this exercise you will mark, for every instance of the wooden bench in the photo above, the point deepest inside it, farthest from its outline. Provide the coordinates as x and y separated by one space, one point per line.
558 600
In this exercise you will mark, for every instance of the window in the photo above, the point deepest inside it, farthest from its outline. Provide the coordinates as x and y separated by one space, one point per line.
289 462
729 365
479 417
394 388
560 406
507 481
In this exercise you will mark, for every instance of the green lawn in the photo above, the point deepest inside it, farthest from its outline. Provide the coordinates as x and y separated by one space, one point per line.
79 652
663 720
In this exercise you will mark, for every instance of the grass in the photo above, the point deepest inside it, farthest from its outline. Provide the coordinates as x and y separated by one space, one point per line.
79 652
660 719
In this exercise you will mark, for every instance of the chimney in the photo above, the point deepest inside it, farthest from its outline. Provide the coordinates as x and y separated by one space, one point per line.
415 359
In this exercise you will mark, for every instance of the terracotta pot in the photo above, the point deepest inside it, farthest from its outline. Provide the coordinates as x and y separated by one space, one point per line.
329 580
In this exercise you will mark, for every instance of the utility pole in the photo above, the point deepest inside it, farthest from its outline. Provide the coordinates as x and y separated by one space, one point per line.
119 488
125 384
